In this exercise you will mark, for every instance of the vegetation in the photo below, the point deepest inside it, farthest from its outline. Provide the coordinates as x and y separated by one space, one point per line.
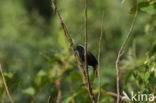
38 62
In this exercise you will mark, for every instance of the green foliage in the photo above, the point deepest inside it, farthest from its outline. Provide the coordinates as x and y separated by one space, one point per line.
152 51
36 55
145 6
29 91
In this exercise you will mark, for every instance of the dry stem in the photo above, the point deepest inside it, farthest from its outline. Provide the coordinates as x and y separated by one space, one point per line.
99 55
68 36
48 101
86 64
120 53
74 51
115 95
5 84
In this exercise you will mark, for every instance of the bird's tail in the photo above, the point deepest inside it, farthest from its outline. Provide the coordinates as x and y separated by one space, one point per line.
95 72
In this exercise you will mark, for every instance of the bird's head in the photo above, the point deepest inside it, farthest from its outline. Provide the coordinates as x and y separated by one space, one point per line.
80 48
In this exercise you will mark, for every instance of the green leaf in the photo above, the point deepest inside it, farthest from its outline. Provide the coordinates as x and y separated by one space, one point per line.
38 80
140 5
75 76
152 50
149 9
146 76
9 75
146 6
147 28
69 99
30 91
42 73
62 40
127 77
155 74
123 1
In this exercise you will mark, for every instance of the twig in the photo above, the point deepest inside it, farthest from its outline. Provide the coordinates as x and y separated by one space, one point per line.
58 81
5 84
48 101
115 95
3 97
120 53
71 90
99 55
59 95
73 49
112 94
68 37
86 64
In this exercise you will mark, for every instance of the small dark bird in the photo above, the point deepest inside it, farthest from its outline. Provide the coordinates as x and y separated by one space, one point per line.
91 60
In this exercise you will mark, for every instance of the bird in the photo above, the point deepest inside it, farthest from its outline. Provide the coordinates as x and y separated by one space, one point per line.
91 60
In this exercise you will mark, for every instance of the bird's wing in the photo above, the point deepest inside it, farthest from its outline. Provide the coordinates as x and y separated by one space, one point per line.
91 57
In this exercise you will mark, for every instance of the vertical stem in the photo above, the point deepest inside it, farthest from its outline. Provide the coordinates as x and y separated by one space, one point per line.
99 54
48 101
86 64
120 53
59 95
3 97
5 84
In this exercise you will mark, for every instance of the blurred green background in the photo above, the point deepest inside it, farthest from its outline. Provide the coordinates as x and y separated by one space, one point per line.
39 63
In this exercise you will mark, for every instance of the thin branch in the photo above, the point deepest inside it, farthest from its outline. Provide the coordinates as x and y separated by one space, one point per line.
71 90
59 95
68 37
120 53
115 95
60 71
112 94
3 97
5 84
99 56
48 101
86 64
74 51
